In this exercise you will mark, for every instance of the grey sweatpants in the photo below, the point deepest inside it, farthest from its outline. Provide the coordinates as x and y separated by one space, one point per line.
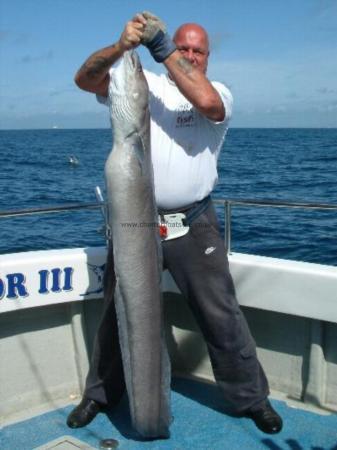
199 266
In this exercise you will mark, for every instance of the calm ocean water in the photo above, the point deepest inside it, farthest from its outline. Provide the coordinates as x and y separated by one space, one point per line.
260 164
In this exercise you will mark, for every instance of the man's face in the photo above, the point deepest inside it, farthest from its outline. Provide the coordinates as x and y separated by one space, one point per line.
192 43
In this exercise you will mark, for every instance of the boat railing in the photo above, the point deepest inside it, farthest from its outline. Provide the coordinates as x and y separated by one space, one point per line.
51 209
226 203
229 203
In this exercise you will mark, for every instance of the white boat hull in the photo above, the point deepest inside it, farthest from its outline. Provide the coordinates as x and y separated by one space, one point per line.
48 330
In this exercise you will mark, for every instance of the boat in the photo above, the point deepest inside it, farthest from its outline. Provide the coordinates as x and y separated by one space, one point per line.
73 160
50 306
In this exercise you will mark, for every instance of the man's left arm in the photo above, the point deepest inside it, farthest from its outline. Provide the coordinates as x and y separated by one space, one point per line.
191 81
195 86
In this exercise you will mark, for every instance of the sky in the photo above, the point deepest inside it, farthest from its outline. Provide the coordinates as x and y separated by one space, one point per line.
279 58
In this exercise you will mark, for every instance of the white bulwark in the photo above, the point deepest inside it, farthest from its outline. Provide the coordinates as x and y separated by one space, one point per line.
48 277
57 276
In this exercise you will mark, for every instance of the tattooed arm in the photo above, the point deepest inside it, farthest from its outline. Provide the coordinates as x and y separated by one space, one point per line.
186 58
194 85
93 76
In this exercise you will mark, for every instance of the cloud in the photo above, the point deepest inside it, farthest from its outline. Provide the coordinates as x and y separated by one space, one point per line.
61 91
4 35
324 6
43 57
13 37
262 81
22 38
292 95
217 39
325 14
332 106
325 90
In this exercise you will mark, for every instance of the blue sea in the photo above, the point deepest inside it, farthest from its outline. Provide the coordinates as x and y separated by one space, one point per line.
260 164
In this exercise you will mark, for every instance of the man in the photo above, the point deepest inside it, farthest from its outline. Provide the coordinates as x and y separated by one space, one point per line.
189 120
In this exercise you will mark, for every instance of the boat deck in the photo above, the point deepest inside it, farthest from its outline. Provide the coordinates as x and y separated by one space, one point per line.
199 423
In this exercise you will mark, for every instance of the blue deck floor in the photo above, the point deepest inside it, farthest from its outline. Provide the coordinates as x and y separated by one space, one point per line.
198 423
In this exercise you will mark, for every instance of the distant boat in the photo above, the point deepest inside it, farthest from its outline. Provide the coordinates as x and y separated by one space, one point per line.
73 160
55 127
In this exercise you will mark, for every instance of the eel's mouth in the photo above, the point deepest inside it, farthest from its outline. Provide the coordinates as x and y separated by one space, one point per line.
133 61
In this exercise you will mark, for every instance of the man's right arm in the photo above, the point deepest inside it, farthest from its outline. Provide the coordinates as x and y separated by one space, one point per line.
93 76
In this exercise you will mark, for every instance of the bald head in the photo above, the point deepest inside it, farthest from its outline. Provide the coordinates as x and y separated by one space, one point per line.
191 28
191 40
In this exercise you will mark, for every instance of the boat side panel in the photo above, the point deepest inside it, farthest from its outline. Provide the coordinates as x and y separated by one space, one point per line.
44 350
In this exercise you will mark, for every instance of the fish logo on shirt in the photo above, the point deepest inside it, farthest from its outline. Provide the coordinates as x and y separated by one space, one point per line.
185 116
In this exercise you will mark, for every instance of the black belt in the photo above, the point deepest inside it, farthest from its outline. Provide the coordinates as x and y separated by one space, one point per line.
191 212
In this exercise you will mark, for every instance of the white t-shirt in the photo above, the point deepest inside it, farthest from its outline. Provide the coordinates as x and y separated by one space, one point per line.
185 145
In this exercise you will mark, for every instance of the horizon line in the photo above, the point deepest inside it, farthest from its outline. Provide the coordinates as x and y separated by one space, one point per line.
230 128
